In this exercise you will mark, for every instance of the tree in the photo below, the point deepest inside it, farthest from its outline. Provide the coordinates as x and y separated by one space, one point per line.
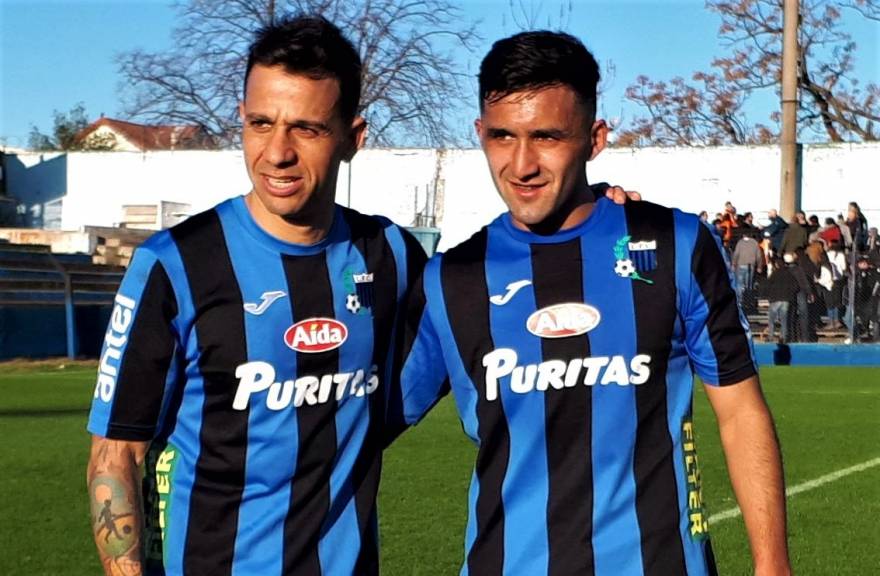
833 105
411 80
65 128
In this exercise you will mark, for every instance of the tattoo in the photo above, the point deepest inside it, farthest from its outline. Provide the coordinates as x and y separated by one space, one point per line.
114 494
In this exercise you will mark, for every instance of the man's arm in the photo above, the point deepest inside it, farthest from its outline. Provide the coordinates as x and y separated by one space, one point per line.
114 482
754 463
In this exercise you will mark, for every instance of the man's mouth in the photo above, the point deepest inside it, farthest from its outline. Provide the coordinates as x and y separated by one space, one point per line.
282 185
527 189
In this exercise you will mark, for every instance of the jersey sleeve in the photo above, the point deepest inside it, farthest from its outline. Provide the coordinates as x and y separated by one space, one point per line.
717 336
422 372
137 359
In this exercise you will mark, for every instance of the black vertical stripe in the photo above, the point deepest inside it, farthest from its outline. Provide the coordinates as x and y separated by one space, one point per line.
726 333
220 471
463 278
311 295
369 239
558 278
655 312
710 559
144 368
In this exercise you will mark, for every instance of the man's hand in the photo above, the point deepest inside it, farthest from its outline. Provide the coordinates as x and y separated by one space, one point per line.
615 193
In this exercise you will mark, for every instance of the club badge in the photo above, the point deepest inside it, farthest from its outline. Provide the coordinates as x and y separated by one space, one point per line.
635 258
359 292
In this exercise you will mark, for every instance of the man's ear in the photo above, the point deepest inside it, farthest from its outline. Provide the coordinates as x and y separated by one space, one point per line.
358 136
241 111
478 128
598 138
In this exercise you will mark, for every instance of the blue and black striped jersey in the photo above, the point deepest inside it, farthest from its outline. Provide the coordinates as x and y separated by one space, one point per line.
571 360
258 370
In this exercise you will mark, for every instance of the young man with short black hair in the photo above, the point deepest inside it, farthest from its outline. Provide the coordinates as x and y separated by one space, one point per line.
569 330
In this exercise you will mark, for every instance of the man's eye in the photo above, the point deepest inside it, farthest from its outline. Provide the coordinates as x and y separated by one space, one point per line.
305 131
260 124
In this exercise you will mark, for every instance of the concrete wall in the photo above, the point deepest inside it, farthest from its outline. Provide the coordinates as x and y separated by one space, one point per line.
399 183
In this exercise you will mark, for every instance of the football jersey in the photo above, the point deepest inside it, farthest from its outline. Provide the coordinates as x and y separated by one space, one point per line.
258 371
571 360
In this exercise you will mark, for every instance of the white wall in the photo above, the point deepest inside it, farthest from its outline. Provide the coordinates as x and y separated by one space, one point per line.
395 182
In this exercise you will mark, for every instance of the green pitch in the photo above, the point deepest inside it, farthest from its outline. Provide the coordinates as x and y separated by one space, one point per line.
828 420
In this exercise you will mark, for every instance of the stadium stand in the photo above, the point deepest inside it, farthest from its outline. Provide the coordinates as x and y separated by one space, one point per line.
53 304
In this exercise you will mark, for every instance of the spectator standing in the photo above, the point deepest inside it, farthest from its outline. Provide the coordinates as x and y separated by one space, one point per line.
782 290
795 237
837 262
775 231
805 294
872 246
844 232
858 226
748 260
867 279
830 233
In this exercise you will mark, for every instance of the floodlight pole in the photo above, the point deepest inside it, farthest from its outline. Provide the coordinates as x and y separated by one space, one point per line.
789 201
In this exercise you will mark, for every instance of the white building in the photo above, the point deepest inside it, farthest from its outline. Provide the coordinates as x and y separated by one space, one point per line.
68 191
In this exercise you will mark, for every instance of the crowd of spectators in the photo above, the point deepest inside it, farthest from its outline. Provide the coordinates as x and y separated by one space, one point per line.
816 277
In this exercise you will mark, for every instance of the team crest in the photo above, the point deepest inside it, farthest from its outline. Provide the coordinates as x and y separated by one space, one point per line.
359 292
632 259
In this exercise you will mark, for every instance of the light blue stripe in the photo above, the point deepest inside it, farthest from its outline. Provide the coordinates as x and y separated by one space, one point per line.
525 488
340 543
186 433
463 388
616 535
680 377
679 397
132 288
272 434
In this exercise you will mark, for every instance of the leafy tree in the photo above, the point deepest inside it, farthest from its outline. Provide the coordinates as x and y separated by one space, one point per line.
65 128
708 110
411 80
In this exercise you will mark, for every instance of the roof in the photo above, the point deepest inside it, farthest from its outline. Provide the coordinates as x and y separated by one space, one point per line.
155 137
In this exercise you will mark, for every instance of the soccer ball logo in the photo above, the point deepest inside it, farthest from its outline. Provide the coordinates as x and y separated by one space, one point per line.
353 303
624 268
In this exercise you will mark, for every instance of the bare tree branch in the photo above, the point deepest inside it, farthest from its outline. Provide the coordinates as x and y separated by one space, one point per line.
411 79
833 104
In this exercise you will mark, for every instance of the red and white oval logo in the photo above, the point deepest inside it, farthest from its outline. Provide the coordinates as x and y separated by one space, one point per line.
563 320
316 335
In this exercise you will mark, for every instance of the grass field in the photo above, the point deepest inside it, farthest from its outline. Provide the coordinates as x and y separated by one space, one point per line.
828 420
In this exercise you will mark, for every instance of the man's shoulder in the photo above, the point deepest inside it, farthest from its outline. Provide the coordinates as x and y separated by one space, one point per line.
468 252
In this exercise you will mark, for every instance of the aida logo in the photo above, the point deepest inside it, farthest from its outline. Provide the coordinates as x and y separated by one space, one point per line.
316 335
563 320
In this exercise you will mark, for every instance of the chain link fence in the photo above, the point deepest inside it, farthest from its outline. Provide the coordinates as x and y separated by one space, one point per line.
819 294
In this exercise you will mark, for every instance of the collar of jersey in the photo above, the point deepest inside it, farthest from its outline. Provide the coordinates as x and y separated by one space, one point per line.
273 243
563 235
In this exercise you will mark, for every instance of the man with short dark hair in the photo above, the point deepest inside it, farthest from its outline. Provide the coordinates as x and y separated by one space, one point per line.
567 330
249 351
248 355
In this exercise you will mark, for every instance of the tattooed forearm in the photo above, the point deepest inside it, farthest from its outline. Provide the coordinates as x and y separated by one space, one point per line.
114 479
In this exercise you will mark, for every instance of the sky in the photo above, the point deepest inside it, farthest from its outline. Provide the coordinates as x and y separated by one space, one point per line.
57 53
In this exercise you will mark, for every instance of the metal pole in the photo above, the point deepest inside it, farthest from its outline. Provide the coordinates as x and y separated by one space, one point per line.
789 203
69 310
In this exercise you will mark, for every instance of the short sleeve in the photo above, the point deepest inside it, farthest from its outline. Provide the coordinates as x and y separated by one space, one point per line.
422 372
717 335
136 366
